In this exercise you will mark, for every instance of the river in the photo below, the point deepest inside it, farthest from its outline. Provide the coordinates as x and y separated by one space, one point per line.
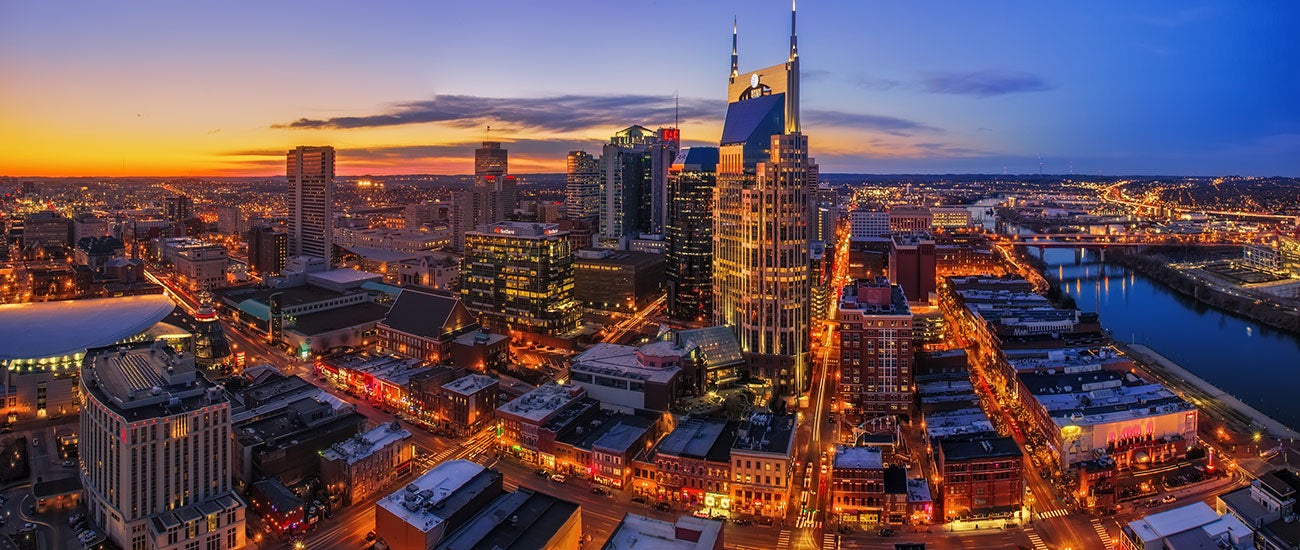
1259 365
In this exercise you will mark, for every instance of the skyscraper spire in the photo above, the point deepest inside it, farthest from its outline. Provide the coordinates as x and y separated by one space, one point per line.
792 80
794 46
735 58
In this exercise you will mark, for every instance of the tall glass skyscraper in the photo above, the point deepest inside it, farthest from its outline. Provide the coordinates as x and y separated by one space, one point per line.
582 187
689 234
311 206
761 232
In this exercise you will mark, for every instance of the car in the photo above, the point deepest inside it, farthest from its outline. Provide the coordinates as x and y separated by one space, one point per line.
370 535
558 478
1168 498
69 464
86 537
36 441
74 518
700 514
7 429
598 491
720 517
830 419
639 499
663 506
742 522
885 532
29 526
542 473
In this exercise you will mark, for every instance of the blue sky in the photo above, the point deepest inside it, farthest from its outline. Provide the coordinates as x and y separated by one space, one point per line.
1201 88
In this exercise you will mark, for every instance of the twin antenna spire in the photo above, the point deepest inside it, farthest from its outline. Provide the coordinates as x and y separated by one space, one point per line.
735 53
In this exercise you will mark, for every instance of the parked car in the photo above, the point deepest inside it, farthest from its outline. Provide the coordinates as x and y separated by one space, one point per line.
370 535
885 532
639 499
742 522
599 491
542 473
558 478
663 506
1168 498
720 517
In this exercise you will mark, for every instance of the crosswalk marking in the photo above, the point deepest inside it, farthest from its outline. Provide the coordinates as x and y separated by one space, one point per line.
1053 513
1101 532
1036 540
783 539
829 541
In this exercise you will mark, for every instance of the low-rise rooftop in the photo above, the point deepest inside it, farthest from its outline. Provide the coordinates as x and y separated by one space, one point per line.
538 405
637 532
432 498
360 446
859 458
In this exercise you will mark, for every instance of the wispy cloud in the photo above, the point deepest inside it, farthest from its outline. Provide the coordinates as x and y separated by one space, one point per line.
862 121
872 82
565 113
983 83
1184 16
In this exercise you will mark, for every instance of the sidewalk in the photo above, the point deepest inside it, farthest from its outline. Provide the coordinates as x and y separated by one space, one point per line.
1150 357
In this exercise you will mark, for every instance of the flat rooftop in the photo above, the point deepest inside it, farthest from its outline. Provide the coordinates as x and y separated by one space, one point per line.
520 229
146 379
766 433
985 447
541 403
858 458
522 520
1099 396
339 318
623 362
430 499
469 384
694 438
360 446
637 532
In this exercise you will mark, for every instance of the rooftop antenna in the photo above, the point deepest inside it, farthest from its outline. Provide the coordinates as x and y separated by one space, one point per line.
677 106
487 134
735 57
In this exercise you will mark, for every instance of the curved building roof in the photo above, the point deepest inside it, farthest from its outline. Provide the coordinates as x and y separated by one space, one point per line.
48 329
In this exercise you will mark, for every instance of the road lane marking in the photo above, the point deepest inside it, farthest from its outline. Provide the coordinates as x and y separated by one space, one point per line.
1101 532
1036 540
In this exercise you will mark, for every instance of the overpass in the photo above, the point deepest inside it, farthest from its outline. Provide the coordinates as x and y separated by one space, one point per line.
1108 241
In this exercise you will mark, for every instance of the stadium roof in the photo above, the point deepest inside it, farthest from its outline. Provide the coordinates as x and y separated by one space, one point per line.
49 329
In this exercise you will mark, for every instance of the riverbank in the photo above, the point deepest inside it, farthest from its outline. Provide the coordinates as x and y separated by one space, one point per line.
1205 395
1254 308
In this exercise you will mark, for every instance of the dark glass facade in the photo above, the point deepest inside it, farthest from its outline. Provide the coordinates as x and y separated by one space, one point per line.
689 234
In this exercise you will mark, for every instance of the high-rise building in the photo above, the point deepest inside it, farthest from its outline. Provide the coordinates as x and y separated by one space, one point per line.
868 223
582 188
826 215
46 228
178 208
491 160
519 276
627 198
230 220
875 331
155 451
311 210
493 197
912 264
268 250
761 231
689 232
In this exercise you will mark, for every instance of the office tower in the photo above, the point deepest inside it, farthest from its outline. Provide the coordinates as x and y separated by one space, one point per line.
875 349
46 228
582 188
230 220
760 234
88 225
493 197
868 223
311 210
912 264
491 160
155 451
910 218
689 234
178 208
519 277
627 198
268 250
826 215
663 152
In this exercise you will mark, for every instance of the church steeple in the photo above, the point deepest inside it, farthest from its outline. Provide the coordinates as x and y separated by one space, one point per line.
735 58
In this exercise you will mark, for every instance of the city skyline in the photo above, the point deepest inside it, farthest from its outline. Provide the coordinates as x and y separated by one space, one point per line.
193 90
